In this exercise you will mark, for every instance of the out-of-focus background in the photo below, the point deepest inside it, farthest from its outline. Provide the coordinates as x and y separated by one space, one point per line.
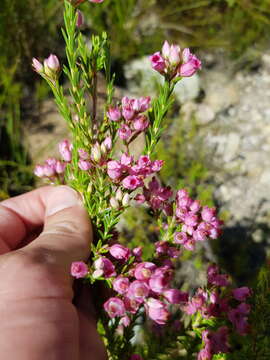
217 143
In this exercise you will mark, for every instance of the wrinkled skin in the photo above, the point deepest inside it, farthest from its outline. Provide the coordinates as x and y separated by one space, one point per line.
38 317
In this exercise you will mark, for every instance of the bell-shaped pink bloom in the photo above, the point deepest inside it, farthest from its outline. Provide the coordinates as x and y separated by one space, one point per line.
144 270
120 252
174 296
114 114
132 182
114 169
121 284
115 307
65 148
84 165
39 171
138 290
158 62
105 267
79 269
241 293
157 311
124 132
140 123
37 66
52 63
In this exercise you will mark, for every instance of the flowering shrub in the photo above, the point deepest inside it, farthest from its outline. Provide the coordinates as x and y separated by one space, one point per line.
99 164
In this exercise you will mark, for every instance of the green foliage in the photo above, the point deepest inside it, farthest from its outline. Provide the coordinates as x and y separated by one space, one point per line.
19 20
15 174
185 159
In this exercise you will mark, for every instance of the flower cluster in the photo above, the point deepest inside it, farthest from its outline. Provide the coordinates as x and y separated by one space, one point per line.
130 116
141 284
131 173
192 222
54 169
215 342
173 62
219 300
148 285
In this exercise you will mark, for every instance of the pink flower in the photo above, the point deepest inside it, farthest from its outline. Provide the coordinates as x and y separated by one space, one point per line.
51 63
215 278
160 280
96 1
120 252
157 165
83 154
180 237
174 296
80 19
125 321
137 251
140 123
49 170
138 290
65 148
217 341
157 311
241 293
114 307
37 66
39 171
126 159
79 269
124 132
204 354
114 169
60 167
121 284
132 182
84 165
208 214
104 267
144 103
114 113
128 113
144 270
106 145
158 62
131 305
239 318
172 53
191 64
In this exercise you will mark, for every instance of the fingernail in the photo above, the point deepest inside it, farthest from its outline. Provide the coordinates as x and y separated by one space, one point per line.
62 198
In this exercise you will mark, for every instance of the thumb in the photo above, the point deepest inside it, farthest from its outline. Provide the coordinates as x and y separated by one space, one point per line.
67 232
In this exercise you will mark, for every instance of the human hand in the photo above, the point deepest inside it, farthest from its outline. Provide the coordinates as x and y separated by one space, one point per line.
38 319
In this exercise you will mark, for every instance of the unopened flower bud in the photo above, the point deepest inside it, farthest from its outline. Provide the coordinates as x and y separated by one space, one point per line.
84 165
80 19
114 203
60 167
96 152
126 200
51 66
119 194
37 66
39 171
